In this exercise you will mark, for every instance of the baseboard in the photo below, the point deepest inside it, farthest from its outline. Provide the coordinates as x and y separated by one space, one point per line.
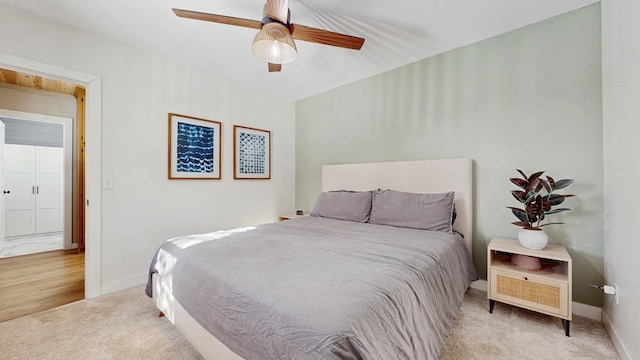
479 285
615 339
580 309
124 283
588 311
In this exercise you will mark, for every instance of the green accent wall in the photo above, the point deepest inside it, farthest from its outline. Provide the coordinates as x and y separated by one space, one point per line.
529 99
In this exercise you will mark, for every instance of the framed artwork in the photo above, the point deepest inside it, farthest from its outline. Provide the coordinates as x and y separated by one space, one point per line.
251 153
194 148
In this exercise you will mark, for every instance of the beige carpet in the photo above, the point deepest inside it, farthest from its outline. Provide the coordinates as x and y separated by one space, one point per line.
124 325
514 333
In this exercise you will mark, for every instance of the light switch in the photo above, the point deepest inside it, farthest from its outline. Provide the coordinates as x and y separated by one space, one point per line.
107 183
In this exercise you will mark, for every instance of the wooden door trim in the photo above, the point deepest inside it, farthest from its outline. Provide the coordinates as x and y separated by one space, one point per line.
80 95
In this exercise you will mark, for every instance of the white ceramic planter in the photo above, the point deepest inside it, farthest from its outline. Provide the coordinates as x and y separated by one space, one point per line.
533 239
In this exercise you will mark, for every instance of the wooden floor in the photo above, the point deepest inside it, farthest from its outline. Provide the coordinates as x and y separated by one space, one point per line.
37 282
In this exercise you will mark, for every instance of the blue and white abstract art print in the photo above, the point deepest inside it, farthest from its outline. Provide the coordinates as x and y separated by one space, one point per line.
252 153
194 148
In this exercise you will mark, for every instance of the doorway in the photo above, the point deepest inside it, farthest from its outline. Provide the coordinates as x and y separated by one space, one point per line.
93 156
38 183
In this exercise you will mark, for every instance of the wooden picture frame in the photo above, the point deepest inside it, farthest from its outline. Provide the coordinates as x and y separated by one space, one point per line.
194 148
251 153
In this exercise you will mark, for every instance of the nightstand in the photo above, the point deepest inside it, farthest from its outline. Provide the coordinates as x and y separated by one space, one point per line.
289 217
547 290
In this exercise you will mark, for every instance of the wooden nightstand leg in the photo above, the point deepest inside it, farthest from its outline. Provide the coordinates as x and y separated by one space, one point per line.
491 304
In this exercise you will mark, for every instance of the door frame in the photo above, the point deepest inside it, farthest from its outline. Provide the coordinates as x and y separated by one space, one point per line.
93 158
67 124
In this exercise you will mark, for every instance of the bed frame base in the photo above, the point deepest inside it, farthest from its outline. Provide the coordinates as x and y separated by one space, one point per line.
207 345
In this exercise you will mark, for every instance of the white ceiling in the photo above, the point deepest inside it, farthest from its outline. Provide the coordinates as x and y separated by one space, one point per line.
397 33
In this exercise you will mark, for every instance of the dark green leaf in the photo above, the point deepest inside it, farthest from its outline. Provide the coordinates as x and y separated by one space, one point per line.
561 184
519 213
555 199
546 185
555 211
553 223
530 196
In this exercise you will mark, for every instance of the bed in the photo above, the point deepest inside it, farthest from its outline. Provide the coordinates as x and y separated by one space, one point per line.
322 287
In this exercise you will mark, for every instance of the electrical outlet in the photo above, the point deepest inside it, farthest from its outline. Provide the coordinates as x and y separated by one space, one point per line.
617 295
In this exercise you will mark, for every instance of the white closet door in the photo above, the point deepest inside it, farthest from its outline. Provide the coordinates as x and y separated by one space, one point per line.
2 184
49 189
34 176
20 171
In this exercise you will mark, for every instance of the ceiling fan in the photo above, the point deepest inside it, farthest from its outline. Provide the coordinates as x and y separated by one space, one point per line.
274 43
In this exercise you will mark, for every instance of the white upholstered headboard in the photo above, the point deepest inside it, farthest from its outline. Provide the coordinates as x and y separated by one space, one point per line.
423 176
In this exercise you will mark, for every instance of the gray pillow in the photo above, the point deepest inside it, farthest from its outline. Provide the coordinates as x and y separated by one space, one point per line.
418 211
344 205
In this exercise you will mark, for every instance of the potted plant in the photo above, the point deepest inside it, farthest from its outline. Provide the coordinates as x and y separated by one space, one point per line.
538 197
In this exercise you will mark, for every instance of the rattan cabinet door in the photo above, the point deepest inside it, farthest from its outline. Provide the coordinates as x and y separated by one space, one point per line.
530 291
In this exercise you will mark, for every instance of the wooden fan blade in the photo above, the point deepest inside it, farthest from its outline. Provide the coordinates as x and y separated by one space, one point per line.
278 9
306 33
275 67
253 24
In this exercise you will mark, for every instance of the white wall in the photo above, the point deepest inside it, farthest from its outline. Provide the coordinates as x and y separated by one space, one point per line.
528 99
139 89
621 113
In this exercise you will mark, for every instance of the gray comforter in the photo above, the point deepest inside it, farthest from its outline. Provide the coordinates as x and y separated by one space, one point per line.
316 288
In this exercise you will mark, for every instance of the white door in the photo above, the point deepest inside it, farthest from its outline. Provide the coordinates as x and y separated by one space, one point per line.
20 172
34 176
2 228
49 189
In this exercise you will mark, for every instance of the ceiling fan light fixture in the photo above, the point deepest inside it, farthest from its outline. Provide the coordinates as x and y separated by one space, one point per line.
274 44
